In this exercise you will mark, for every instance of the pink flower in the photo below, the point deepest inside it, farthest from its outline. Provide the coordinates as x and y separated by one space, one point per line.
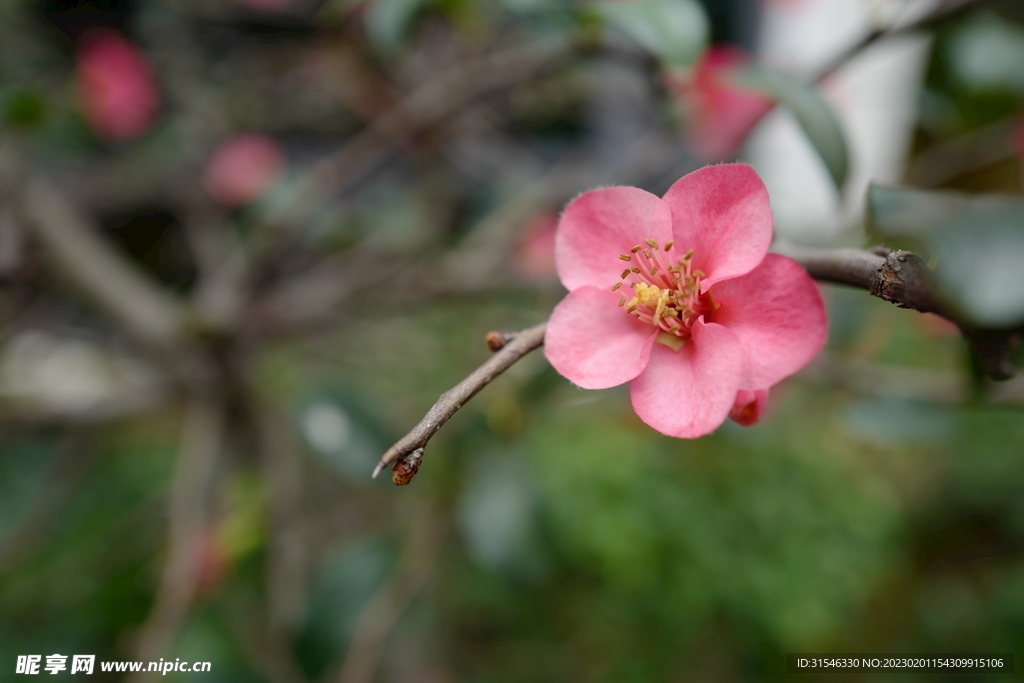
719 112
680 297
116 88
243 169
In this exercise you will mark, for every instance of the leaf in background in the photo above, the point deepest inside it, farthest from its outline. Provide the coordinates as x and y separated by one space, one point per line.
676 31
497 517
987 52
812 112
342 434
978 241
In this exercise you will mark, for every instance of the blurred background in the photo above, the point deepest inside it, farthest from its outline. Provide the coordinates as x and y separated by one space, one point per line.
245 244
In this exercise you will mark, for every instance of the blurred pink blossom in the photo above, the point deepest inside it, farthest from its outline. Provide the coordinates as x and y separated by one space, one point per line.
116 87
679 296
534 255
718 111
243 169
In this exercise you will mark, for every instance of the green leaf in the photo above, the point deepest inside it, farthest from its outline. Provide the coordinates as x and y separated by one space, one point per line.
977 240
812 112
675 31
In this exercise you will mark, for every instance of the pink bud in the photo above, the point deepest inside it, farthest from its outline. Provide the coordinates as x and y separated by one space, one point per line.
749 406
116 88
243 169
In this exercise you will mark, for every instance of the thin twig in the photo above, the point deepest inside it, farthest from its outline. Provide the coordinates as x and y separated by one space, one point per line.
522 343
944 11
202 436
424 107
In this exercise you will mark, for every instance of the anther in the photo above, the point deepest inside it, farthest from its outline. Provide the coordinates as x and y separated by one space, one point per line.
677 280
616 286
625 273
651 243
636 249
622 302
625 257
647 253
688 254
654 270
635 269
699 273
668 245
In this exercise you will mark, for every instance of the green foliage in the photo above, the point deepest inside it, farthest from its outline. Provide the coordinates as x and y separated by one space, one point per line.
675 31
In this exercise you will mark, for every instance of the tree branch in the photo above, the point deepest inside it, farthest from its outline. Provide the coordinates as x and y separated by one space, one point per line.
407 453
900 277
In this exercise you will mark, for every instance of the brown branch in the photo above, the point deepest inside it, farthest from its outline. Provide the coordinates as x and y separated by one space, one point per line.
408 451
900 277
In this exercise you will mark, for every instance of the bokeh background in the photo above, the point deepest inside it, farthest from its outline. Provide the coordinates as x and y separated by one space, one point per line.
245 244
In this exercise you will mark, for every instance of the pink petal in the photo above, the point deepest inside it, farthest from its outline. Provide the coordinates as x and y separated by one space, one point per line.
723 214
777 313
689 393
599 225
595 344
749 406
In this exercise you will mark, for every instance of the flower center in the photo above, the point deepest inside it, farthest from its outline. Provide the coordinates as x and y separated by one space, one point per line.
666 290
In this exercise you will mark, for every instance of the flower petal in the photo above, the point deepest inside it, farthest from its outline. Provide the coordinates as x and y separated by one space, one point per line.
749 406
689 393
599 225
722 213
777 313
595 344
